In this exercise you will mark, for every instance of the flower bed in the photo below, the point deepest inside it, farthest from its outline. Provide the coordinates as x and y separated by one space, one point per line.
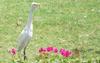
54 55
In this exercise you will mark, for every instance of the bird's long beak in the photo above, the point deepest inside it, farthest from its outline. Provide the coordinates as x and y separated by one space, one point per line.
38 5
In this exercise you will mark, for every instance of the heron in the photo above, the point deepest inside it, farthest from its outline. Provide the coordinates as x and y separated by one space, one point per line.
26 34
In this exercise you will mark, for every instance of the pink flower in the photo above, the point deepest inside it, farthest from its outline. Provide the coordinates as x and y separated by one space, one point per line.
62 51
42 50
55 50
49 49
13 51
65 53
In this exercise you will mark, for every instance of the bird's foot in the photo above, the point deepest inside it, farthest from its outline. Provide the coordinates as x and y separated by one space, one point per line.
25 57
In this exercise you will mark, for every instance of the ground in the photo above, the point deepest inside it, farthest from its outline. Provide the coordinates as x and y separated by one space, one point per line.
66 24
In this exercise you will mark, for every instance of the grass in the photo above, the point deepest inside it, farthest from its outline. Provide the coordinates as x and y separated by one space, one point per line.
62 23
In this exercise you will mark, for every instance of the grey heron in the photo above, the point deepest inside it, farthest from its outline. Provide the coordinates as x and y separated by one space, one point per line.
26 34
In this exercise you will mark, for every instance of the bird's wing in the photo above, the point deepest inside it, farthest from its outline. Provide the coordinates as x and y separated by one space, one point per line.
23 40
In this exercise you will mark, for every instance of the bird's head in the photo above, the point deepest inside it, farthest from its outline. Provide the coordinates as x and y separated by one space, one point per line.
35 5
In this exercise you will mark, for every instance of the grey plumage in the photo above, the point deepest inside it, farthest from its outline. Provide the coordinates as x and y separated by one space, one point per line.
26 34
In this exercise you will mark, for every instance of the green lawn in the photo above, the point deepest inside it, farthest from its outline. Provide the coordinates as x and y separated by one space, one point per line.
66 24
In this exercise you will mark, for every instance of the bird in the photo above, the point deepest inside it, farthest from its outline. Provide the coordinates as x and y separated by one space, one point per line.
27 33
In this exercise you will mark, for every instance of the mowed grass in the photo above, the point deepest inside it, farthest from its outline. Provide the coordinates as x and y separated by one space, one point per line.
66 24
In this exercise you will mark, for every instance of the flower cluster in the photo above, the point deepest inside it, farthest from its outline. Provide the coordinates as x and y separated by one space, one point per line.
48 49
65 53
12 51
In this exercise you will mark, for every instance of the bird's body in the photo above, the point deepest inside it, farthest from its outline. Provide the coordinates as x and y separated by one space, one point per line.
26 34
24 38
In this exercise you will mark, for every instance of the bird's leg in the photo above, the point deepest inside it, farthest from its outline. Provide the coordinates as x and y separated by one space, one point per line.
24 53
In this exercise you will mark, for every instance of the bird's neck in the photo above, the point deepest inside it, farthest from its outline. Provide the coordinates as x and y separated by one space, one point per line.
30 17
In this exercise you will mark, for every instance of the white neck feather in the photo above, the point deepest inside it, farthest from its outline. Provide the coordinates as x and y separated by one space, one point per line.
29 22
